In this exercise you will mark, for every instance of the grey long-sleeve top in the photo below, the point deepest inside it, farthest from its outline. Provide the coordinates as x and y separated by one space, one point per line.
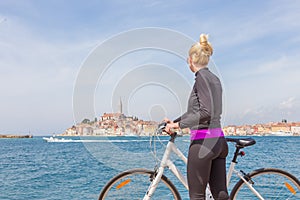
205 103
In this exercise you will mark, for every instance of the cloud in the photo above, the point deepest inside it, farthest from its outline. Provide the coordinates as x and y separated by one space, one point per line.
36 79
287 109
269 20
41 53
283 64
290 103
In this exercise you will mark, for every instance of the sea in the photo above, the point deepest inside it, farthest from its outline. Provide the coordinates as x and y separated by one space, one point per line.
79 167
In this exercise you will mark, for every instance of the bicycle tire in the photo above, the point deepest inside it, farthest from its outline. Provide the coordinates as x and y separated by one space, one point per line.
271 183
133 184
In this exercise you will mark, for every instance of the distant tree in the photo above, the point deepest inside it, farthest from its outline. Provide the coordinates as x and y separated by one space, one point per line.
284 121
96 119
85 121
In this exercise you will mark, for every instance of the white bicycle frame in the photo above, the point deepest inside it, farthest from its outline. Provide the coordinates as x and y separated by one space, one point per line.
166 162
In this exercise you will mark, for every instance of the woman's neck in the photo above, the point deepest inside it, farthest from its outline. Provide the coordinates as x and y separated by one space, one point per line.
198 67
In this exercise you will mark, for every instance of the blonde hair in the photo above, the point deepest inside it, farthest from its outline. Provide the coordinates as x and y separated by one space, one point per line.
201 51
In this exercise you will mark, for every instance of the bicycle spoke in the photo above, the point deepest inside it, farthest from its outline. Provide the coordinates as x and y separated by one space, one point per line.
270 185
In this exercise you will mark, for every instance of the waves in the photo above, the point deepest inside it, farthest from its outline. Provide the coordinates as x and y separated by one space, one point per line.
63 140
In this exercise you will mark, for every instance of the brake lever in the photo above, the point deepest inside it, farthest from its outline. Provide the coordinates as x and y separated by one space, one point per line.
162 126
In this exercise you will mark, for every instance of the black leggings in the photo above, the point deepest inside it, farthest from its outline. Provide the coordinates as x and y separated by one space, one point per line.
207 164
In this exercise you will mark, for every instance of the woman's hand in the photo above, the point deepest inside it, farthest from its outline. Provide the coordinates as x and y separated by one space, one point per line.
167 120
171 127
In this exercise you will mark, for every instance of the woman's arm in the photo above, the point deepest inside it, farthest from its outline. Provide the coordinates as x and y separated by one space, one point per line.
200 110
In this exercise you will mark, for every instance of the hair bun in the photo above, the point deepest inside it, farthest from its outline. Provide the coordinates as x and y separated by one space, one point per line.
205 45
203 39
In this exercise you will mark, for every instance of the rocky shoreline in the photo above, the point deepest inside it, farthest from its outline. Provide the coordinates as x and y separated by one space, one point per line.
16 136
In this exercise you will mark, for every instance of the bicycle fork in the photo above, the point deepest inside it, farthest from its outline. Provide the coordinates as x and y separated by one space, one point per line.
154 182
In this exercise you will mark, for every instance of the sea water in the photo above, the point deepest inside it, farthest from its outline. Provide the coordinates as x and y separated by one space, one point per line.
35 169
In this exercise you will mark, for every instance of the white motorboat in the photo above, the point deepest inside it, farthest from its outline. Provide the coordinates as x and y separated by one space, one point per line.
54 139
281 133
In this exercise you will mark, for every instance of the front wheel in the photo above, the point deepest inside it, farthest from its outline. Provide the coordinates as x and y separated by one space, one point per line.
133 184
269 183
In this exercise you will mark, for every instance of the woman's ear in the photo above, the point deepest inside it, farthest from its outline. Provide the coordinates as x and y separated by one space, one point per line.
190 61
192 67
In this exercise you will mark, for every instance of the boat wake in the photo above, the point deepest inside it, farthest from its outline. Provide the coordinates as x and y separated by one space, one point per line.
53 139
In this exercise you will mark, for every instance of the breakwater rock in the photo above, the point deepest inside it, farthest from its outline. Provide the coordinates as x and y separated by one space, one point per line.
16 136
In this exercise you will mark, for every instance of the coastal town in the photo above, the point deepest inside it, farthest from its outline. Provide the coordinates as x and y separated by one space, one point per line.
118 124
112 124
282 128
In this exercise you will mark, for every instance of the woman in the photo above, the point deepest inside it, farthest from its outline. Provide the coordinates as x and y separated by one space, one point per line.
208 149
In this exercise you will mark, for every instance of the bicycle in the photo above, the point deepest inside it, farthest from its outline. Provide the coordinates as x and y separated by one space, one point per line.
264 183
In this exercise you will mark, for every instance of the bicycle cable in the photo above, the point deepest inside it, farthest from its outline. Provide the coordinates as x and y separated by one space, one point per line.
153 147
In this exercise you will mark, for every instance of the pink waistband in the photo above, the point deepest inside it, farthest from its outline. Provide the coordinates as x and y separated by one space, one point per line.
206 133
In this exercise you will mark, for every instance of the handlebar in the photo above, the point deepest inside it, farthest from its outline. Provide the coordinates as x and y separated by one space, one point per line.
161 128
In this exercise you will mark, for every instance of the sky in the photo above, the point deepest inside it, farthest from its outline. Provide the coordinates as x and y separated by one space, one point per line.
45 45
